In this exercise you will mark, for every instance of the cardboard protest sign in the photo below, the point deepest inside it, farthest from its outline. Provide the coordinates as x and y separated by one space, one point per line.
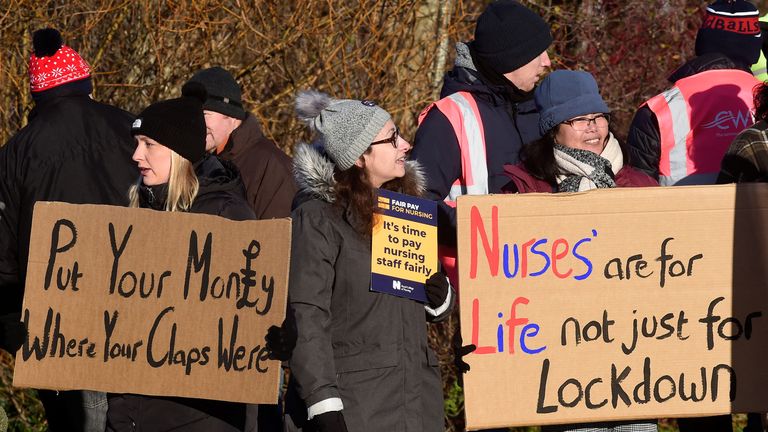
403 245
614 304
158 303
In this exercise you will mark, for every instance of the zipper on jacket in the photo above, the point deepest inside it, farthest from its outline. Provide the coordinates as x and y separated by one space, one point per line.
151 196
517 128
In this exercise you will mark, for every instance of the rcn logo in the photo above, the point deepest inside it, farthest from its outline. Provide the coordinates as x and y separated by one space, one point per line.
396 285
725 120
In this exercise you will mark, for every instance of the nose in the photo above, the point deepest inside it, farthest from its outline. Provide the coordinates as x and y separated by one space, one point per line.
545 61
137 154
403 144
592 124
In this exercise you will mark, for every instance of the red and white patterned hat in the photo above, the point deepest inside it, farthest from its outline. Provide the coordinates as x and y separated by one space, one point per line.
65 65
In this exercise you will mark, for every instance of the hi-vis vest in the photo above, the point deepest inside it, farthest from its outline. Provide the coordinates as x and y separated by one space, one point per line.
461 111
698 118
759 69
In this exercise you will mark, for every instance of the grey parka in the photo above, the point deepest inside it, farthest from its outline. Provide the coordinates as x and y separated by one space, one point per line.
366 348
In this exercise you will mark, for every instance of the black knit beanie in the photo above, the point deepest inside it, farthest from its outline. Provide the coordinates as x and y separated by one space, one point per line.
508 35
224 94
731 28
176 123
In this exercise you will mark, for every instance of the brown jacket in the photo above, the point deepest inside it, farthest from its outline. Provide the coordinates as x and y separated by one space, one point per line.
264 168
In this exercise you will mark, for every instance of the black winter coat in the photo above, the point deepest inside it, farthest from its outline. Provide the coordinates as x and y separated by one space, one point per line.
74 150
222 194
507 126
221 190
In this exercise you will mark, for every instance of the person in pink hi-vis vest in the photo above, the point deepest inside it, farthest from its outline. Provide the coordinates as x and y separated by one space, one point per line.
680 136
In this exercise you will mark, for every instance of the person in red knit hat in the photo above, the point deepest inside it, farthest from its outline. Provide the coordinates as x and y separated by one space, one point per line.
75 150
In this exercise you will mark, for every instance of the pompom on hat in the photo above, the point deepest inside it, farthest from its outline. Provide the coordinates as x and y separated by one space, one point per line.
53 64
347 127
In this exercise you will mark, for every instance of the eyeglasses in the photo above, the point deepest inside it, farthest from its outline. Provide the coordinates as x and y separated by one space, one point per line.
391 140
582 123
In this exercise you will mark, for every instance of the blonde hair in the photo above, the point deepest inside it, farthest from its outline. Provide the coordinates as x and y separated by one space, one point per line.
182 186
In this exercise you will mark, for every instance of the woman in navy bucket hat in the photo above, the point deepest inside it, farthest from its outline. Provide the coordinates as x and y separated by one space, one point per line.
577 152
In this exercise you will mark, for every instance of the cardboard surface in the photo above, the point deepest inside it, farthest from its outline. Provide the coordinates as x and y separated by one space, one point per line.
614 304
158 303
403 245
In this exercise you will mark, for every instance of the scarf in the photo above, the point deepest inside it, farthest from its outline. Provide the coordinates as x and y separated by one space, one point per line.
582 170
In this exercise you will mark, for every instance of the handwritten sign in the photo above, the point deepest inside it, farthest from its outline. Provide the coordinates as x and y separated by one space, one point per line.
158 303
403 245
614 304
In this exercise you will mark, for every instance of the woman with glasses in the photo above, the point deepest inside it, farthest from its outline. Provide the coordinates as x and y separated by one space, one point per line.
577 150
361 361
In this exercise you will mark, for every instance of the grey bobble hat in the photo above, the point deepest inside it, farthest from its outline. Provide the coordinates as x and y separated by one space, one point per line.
565 94
347 127
224 95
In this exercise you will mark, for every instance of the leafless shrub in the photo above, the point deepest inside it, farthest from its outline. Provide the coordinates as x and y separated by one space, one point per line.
391 51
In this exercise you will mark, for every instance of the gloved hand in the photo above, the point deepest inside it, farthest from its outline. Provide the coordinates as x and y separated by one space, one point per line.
331 421
281 340
459 351
436 287
12 332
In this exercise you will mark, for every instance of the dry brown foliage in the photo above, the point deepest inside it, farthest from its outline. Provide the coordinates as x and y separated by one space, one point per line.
142 52
391 51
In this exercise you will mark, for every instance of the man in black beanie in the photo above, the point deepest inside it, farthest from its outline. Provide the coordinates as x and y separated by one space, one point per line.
680 136
74 149
234 135
486 113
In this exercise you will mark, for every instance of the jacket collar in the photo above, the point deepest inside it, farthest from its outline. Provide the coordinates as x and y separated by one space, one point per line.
703 63
245 135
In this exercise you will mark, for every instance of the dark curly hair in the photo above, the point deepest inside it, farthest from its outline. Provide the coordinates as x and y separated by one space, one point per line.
355 192
538 157
760 94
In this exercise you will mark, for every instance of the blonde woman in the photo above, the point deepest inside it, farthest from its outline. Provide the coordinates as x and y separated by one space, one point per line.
177 175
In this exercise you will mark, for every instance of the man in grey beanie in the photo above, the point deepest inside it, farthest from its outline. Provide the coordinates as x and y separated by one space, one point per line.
235 135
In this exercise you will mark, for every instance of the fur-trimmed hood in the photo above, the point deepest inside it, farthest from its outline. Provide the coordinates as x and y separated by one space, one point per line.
313 172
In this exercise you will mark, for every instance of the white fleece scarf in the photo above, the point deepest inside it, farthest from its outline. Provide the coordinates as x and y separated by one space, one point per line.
582 170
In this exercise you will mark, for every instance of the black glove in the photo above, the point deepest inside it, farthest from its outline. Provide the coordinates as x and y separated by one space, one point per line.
437 287
13 333
459 351
331 421
281 340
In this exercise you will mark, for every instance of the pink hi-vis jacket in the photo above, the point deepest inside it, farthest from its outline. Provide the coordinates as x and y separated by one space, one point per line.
461 111
698 118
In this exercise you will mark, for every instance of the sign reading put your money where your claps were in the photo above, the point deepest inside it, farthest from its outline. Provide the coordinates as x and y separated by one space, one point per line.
614 304
138 301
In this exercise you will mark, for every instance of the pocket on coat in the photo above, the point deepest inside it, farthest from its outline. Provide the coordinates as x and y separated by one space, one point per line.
367 360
